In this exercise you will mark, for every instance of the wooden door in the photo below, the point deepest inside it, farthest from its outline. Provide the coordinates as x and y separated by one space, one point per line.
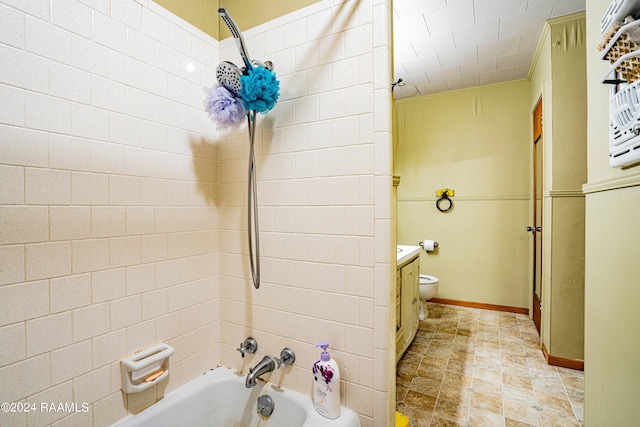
536 229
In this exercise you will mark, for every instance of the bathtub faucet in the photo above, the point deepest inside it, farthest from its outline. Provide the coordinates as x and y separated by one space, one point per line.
267 364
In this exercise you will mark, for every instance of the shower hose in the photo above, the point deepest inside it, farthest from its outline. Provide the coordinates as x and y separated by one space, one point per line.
252 205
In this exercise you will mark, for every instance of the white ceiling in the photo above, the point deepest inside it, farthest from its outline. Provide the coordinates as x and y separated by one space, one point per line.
442 45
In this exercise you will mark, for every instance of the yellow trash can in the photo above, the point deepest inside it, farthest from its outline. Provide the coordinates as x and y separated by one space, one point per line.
402 420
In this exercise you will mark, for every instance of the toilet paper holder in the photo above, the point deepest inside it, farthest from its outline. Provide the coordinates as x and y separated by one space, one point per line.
435 245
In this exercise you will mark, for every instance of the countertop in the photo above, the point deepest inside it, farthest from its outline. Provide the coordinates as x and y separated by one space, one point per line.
405 253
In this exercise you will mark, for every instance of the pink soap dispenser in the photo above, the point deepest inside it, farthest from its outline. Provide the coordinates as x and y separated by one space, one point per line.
326 384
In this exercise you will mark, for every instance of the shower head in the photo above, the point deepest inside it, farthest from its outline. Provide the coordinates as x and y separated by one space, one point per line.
237 35
228 75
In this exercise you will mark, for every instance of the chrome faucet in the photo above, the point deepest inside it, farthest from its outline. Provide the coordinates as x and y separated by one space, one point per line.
249 345
267 364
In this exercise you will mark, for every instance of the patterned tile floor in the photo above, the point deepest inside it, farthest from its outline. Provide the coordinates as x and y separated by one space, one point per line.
480 368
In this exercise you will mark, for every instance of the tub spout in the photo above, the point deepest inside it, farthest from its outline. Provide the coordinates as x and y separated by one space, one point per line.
267 364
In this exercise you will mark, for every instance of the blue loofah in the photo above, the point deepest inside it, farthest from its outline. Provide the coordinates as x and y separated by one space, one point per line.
260 90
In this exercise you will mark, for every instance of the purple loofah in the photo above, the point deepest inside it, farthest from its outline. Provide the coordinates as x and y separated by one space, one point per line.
223 108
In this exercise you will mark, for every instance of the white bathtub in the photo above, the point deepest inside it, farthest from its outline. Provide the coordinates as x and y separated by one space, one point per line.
219 398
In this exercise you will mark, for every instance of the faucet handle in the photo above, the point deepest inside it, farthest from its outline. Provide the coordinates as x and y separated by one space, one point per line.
287 357
250 345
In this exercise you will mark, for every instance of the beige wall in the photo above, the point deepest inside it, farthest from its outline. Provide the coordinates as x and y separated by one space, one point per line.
541 86
477 143
558 75
122 210
612 372
203 14
251 13
568 173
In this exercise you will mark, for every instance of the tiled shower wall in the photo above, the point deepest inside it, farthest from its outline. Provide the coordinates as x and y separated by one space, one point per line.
123 221
324 175
108 215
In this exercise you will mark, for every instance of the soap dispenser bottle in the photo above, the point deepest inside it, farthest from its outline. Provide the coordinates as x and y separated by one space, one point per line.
326 384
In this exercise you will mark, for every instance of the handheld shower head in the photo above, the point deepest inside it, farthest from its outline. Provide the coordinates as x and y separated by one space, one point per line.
237 35
228 75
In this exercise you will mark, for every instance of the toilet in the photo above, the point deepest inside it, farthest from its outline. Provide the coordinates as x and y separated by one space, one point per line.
428 289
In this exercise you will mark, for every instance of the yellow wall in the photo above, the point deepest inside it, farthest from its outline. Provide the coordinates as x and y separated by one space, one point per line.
568 173
558 75
250 13
477 143
612 371
203 14
541 86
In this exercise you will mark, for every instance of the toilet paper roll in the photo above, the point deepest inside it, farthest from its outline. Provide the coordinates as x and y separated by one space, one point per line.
429 245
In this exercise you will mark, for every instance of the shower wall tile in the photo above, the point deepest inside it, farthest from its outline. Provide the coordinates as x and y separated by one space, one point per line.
107 285
89 255
14 338
125 312
17 218
47 40
45 260
331 104
127 12
90 321
23 147
69 222
72 15
47 113
69 292
156 27
359 100
70 362
330 195
15 100
37 369
39 336
92 386
133 230
12 185
12 266
23 69
14 31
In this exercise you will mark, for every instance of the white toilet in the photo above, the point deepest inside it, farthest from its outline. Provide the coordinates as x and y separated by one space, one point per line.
428 289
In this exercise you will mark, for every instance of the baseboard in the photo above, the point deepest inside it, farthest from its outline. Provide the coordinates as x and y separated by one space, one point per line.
562 362
484 306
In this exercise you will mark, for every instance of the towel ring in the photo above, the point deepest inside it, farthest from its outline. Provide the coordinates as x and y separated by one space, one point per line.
439 201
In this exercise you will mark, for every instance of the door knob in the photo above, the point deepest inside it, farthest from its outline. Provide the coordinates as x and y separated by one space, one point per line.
531 229
538 228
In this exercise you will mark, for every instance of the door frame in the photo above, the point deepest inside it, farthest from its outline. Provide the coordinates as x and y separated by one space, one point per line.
538 138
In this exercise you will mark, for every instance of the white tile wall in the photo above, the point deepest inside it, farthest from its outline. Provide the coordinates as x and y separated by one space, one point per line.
123 214
100 188
317 163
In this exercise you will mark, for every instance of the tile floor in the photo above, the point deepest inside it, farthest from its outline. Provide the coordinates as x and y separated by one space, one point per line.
479 368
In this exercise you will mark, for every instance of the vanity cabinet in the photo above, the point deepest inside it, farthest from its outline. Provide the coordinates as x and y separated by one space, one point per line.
407 304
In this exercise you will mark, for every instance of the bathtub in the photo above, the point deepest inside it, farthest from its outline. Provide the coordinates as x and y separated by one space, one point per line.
219 398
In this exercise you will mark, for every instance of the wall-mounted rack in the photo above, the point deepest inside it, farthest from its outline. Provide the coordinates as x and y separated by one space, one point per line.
621 47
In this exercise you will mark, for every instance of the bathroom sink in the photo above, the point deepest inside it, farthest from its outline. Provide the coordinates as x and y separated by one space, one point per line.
405 253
